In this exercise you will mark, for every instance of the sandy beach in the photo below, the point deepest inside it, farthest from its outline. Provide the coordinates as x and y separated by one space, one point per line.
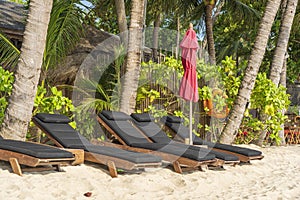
277 176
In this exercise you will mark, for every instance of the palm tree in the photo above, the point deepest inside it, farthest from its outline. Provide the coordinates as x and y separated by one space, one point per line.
19 110
289 10
131 77
209 6
210 9
64 31
256 57
122 22
283 39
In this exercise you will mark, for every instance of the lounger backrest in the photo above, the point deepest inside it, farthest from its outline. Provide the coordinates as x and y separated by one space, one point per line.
33 149
57 126
145 122
176 124
120 123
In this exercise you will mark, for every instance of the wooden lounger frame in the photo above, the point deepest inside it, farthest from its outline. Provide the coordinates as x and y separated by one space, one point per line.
32 163
180 164
111 163
242 158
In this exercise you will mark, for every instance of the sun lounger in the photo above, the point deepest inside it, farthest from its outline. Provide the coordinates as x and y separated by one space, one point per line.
145 122
29 156
59 131
180 132
119 125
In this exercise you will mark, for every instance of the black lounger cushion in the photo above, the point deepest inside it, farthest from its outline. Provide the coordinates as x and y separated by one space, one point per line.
124 129
175 149
56 118
34 150
142 117
132 137
66 135
183 132
155 133
120 116
70 138
131 156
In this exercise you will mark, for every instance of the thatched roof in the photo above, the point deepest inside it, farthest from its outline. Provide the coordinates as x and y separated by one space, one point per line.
12 19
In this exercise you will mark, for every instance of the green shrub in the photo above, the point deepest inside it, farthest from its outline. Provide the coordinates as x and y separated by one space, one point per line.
6 82
268 100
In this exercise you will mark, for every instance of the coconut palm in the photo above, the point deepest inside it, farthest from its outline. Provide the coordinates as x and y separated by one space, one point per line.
121 17
9 53
131 77
19 110
209 9
209 6
256 57
289 10
64 31
283 38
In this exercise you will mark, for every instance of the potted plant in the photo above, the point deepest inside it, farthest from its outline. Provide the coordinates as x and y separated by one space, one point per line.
214 102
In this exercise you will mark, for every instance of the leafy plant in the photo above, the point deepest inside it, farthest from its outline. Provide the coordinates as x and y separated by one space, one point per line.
231 79
219 103
6 82
51 101
205 93
98 96
269 100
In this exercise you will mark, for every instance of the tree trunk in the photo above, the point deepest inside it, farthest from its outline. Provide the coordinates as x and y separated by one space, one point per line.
209 33
283 83
288 13
122 22
156 27
247 85
283 39
177 38
19 111
131 77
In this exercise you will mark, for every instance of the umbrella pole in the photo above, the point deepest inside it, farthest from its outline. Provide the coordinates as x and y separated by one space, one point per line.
191 112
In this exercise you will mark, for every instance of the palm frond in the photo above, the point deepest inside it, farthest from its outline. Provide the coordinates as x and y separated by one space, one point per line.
296 24
92 104
242 11
64 31
9 53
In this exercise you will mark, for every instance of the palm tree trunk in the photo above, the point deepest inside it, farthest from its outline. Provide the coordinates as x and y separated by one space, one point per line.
288 13
283 39
209 33
19 111
133 61
177 38
247 85
122 22
156 27
283 83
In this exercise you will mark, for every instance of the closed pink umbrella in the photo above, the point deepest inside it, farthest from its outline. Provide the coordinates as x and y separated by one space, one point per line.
189 85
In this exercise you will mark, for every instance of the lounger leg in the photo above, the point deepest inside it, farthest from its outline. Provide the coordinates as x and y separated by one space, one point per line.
58 168
203 168
16 168
177 167
112 169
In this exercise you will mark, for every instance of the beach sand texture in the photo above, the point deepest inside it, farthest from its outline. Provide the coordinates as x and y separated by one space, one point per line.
277 176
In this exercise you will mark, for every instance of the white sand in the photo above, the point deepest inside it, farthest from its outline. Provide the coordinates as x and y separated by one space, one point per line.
277 176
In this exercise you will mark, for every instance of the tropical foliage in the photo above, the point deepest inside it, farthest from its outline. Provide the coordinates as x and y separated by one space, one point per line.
6 81
235 28
267 99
